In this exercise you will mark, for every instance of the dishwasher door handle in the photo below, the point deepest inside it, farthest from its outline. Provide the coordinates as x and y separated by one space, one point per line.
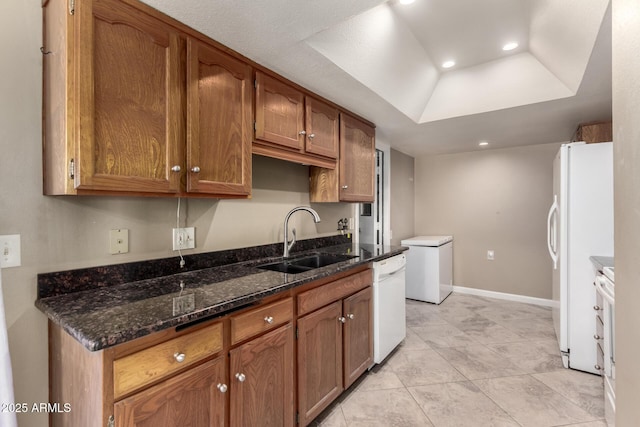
390 275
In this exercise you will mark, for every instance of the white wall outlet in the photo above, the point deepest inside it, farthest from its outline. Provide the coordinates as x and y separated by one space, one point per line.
10 251
184 238
491 255
119 241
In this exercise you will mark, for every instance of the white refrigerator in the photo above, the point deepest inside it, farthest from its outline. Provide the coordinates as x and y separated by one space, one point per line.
579 225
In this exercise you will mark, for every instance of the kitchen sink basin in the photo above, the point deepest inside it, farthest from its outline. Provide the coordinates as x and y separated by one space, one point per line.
300 265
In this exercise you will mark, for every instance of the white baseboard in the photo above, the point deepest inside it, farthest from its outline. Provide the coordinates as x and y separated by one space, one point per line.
505 296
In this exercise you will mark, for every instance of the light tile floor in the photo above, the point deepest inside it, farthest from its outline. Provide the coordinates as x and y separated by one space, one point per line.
472 362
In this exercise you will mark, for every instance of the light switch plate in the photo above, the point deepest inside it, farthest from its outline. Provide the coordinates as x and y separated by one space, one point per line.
118 241
10 251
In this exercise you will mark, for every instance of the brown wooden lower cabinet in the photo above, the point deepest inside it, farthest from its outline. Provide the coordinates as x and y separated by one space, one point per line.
358 335
238 370
261 381
189 399
335 347
319 360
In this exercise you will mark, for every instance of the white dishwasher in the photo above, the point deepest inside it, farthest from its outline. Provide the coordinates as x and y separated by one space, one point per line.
389 312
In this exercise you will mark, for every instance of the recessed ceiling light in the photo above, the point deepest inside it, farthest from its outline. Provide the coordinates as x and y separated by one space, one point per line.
510 46
483 143
448 64
406 1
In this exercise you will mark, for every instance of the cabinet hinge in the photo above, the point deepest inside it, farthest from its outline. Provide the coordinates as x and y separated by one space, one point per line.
255 83
111 422
72 7
255 125
72 169
296 332
297 418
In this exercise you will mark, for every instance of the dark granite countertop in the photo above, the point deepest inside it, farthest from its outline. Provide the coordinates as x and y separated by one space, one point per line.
106 314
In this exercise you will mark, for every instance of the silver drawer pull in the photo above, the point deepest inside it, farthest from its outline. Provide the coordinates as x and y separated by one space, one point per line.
342 319
195 169
222 388
597 337
351 316
241 377
176 168
179 357
269 319
598 367
597 308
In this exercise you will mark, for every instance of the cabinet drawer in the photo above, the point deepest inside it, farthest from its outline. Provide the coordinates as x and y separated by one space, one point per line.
154 363
261 319
326 294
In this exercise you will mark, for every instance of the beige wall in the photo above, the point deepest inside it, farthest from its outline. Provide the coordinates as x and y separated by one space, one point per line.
67 232
491 200
402 196
626 111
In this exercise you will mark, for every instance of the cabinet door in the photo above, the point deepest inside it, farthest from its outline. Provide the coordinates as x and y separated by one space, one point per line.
322 126
357 160
319 360
192 398
219 122
279 113
130 100
358 335
261 389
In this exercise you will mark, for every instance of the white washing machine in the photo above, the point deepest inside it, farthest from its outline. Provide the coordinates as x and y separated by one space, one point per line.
429 272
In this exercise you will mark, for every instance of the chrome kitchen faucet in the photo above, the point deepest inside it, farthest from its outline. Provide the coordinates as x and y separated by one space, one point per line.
287 245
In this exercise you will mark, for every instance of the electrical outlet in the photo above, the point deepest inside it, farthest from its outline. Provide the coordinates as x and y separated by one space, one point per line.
10 251
491 255
184 238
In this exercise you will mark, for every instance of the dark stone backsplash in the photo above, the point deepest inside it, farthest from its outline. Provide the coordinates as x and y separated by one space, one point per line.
65 282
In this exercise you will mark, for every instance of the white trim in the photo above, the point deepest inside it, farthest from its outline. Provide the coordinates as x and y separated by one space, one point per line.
505 296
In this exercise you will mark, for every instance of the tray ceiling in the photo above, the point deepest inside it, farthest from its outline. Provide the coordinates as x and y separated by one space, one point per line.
383 60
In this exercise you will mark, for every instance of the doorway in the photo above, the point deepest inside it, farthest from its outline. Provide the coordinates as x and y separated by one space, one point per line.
371 218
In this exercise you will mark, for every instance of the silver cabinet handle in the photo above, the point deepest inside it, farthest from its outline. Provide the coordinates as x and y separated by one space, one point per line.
351 316
222 388
195 169
311 136
179 357
269 319
597 308
344 187
597 337
302 132
241 377
598 367
176 168
342 319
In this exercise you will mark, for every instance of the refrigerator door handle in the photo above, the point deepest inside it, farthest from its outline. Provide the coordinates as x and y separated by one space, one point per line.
552 236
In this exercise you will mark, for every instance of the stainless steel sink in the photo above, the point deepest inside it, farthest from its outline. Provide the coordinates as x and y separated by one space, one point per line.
311 262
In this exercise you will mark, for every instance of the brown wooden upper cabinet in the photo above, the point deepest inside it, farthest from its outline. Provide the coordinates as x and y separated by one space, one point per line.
353 180
293 126
219 120
115 95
